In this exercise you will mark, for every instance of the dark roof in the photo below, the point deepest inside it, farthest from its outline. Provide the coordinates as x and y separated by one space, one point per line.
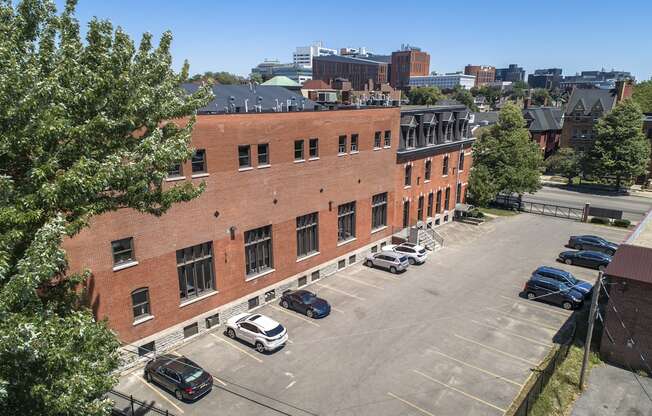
544 118
588 97
270 97
486 118
408 120
429 118
632 262
374 60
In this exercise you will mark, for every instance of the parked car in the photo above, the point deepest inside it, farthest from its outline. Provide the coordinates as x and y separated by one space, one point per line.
390 260
264 333
565 277
553 291
593 259
305 302
179 375
416 254
593 243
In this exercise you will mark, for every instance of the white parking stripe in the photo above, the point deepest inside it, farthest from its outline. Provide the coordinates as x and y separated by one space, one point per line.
412 405
232 345
339 291
361 282
294 315
531 304
496 350
513 334
291 384
159 393
482 370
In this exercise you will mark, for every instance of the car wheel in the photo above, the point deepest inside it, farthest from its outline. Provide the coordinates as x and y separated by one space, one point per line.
411 261
531 295
568 261
260 347
602 267
148 376
285 304
392 269
230 333
369 263
309 313
178 395
567 305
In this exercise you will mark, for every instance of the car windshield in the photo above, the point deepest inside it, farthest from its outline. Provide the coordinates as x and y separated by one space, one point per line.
275 331
192 374
308 297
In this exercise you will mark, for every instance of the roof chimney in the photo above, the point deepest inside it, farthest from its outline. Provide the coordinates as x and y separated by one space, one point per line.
624 89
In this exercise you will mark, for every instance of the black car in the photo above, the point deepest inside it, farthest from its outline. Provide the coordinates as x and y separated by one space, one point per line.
593 243
567 278
305 302
592 259
553 291
180 376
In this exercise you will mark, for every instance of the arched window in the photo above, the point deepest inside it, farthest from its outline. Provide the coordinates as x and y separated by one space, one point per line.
140 303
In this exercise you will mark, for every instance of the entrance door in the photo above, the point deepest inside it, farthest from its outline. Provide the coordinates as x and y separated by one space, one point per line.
406 214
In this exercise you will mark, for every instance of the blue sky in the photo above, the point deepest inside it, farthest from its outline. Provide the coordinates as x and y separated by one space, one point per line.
236 35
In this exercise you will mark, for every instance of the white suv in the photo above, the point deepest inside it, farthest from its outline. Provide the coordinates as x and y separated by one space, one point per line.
416 254
262 332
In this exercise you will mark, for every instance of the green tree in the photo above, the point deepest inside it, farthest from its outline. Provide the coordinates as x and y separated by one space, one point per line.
566 162
540 96
518 91
83 131
224 78
464 96
621 151
505 159
425 95
642 95
256 77
491 94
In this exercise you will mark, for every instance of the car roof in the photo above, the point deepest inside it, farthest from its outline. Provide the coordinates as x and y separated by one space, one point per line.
552 270
597 253
393 254
178 364
412 245
264 322
302 292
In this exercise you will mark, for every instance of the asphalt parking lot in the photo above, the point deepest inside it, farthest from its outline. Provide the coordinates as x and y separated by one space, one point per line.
450 337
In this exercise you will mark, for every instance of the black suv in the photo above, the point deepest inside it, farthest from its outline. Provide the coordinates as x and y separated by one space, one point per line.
553 291
180 376
592 243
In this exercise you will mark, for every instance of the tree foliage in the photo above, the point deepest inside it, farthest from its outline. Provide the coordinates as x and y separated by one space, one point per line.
222 77
464 96
518 91
642 95
425 95
256 77
505 159
83 131
491 94
540 96
621 151
566 162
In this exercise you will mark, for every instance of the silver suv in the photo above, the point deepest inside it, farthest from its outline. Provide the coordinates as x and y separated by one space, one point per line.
394 262
416 254
262 332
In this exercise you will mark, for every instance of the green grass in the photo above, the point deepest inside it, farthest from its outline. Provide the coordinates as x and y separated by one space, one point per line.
498 211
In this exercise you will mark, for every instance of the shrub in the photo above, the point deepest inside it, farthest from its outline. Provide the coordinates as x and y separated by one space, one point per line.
622 223
600 220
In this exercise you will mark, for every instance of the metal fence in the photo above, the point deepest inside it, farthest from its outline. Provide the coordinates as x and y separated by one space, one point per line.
552 210
126 405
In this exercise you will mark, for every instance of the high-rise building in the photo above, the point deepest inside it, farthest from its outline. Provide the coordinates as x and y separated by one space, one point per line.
513 73
304 55
483 74
600 79
269 69
408 62
359 70
549 78
443 81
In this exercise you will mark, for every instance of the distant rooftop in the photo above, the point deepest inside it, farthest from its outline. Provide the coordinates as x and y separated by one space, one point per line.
369 59
281 81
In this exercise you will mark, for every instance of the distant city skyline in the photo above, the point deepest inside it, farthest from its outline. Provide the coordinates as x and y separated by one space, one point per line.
223 36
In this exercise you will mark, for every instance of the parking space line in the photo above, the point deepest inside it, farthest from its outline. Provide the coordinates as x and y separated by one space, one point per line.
388 277
159 393
361 282
470 396
292 383
219 381
412 405
530 303
513 334
527 321
294 315
338 291
476 368
230 344
338 310
496 350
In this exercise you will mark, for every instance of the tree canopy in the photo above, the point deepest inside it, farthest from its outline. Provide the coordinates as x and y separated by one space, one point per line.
540 96
565 162
222 77
83 131
425 95
505 159
464 96
491 94
642 95
621 151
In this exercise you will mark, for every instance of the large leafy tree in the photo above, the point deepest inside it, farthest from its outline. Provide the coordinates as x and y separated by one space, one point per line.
540 96
621 151
83 131
425 95
221 77
505 159
566 162
642 95
491 94
464 96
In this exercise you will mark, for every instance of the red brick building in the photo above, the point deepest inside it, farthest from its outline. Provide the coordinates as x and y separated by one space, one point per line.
408 62
545 126
483 74
358 70
290 197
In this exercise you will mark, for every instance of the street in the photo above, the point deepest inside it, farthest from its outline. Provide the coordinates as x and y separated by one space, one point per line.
449 337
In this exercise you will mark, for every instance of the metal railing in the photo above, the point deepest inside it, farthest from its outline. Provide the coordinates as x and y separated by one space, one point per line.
126 405
435 236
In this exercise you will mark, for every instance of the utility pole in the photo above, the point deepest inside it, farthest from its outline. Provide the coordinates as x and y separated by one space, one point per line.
589 334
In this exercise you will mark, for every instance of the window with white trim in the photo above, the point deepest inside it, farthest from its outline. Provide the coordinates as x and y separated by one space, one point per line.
258 250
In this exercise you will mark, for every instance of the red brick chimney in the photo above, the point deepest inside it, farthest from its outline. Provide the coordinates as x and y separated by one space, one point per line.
624 89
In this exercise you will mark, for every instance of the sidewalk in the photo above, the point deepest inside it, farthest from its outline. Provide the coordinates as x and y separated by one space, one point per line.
556 181
613 391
